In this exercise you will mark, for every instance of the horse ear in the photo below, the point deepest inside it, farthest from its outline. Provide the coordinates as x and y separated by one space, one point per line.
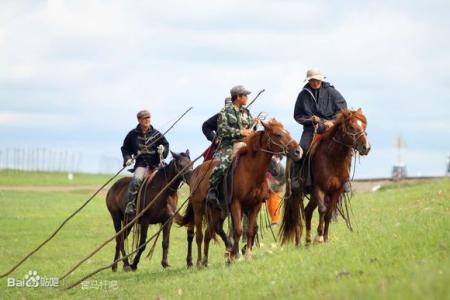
359 110
174 155
187 152
264 124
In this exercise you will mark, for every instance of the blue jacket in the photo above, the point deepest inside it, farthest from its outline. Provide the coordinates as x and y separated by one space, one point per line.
325 103
138 142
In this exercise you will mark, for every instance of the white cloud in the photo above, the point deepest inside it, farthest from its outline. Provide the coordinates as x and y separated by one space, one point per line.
106 60
31 120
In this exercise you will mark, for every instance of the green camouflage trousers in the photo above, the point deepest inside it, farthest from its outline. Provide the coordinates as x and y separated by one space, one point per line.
224 156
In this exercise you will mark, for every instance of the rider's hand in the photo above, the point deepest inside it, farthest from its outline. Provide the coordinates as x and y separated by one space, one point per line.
245 132
129 162
328 124
160 149
315 120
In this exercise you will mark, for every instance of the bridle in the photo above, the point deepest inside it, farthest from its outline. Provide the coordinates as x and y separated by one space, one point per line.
354 135
177 171
271 141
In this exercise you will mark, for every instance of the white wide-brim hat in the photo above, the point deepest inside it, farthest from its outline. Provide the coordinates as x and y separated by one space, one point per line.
314 74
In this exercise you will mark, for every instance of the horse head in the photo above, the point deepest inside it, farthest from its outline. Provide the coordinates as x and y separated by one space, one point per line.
353 126
280 141
182 163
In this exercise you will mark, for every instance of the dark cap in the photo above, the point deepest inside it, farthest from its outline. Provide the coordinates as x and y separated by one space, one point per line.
239 90
143 114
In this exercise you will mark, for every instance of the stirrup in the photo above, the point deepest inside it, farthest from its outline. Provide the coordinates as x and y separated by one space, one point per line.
212 198
130 208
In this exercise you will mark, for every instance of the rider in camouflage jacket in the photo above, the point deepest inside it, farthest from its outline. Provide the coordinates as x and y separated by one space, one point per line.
234 123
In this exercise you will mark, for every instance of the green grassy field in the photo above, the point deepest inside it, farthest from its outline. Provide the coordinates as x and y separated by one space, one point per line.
16 178
399 250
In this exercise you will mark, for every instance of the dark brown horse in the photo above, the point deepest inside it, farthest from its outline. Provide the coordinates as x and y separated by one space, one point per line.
249 191
162 210
331 157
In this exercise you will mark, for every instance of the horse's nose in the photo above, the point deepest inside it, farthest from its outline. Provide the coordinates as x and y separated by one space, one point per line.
297 153
365 149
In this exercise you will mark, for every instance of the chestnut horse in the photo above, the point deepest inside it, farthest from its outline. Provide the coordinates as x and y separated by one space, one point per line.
162 210
331 157
249 190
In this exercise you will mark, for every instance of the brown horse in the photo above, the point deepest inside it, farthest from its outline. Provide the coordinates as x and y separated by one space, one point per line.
162 210
331 157
249 190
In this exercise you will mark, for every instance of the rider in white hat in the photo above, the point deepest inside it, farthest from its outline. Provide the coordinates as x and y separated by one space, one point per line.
316 107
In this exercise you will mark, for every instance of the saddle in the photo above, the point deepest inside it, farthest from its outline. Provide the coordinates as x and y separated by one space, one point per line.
208 154
143 188
226 190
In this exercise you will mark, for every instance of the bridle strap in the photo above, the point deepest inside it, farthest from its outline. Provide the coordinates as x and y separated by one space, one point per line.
282 146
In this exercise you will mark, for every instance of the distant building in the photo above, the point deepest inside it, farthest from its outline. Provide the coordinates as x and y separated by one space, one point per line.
399 169
399 172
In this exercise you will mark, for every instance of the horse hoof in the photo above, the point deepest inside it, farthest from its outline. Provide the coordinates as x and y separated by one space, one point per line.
133 268
319 239
189 265
126 268
204 263
114 269
165 265
231 260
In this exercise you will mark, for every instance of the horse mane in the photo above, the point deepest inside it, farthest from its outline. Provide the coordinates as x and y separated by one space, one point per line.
341 119
253 141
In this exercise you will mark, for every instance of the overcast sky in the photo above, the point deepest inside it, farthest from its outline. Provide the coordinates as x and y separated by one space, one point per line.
73 74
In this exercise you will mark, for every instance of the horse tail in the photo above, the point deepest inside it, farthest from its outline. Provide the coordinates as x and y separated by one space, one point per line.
187 218
291 222
293 210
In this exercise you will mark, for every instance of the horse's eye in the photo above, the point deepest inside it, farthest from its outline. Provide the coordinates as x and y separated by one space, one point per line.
278 136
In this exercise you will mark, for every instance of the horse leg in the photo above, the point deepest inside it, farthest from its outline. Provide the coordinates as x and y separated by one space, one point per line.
309 210
223 235
210 229
198 236
117 226
208 237
333 202
142 239
165 244
252 216
123 237
190 238
320 199
236 213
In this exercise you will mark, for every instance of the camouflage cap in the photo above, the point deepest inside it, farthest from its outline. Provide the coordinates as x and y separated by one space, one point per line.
239 90
143 114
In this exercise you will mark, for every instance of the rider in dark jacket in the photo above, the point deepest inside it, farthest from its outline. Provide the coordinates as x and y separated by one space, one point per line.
316 107
137 141
149 147
209 127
